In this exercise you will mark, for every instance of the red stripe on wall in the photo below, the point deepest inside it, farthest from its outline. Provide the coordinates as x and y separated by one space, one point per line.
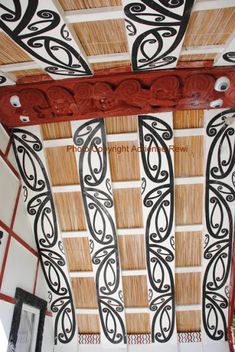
16 207
7 298
3 156
8 148
36 277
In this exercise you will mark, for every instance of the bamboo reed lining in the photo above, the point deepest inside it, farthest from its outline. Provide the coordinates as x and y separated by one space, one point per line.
188 249
88 324
102 37
188 119
84 292
189 162
188 321
10 52
111 65
188 204
135 291
128 208
70 211
138 323
27 73
78 254
197 57
188 288
87 4
132 252
56 130
211 27
124 161
121 124
62 165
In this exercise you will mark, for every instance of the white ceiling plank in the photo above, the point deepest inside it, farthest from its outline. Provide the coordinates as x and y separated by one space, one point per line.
134 231
189 307
188 269
197 50
204 5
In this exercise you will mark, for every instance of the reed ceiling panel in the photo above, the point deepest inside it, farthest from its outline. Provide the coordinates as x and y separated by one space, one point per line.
88 324
87 4
56 130
211 27
28 73
84 292
78 254
188 249
188 161
188 119
135 291
188 288
197 57
10 52
128 208
188 204
132 252
70 211
102 37
111 65
121 124
188 321
138 323
62 166
124 161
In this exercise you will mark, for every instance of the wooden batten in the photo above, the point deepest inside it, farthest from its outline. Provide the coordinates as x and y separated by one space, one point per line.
102 37
188 119
197 57
84 292
121 124
217 26
135 291
121 155
188 249
28 73
138 323
188 204
62 165
188 288
132 253
128 208
188 161
78 254
56 130
188 321
88 324
70 211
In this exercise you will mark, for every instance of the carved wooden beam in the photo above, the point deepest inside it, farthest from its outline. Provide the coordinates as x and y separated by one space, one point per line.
114 95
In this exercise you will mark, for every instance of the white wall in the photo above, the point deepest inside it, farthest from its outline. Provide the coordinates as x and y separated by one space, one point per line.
18 255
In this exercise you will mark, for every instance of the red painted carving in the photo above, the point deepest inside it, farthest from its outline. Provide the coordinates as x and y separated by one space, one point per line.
114 95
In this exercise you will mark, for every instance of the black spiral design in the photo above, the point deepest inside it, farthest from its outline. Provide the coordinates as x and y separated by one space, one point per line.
98 202
40 206
159 198
229 57
219 197
18 21
162 21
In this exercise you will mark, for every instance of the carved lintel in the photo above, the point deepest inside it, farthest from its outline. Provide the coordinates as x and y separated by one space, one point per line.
115 95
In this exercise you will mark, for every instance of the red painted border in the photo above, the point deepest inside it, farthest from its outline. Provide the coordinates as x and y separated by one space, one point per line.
36 277
8 148
5 260
7 298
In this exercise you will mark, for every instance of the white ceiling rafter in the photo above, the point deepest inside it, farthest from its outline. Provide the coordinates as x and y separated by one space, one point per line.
155 32
52 44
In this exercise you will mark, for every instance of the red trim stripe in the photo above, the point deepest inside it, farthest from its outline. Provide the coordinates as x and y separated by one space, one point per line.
48 313
36 277
7 298
16 207
8 148
232 298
